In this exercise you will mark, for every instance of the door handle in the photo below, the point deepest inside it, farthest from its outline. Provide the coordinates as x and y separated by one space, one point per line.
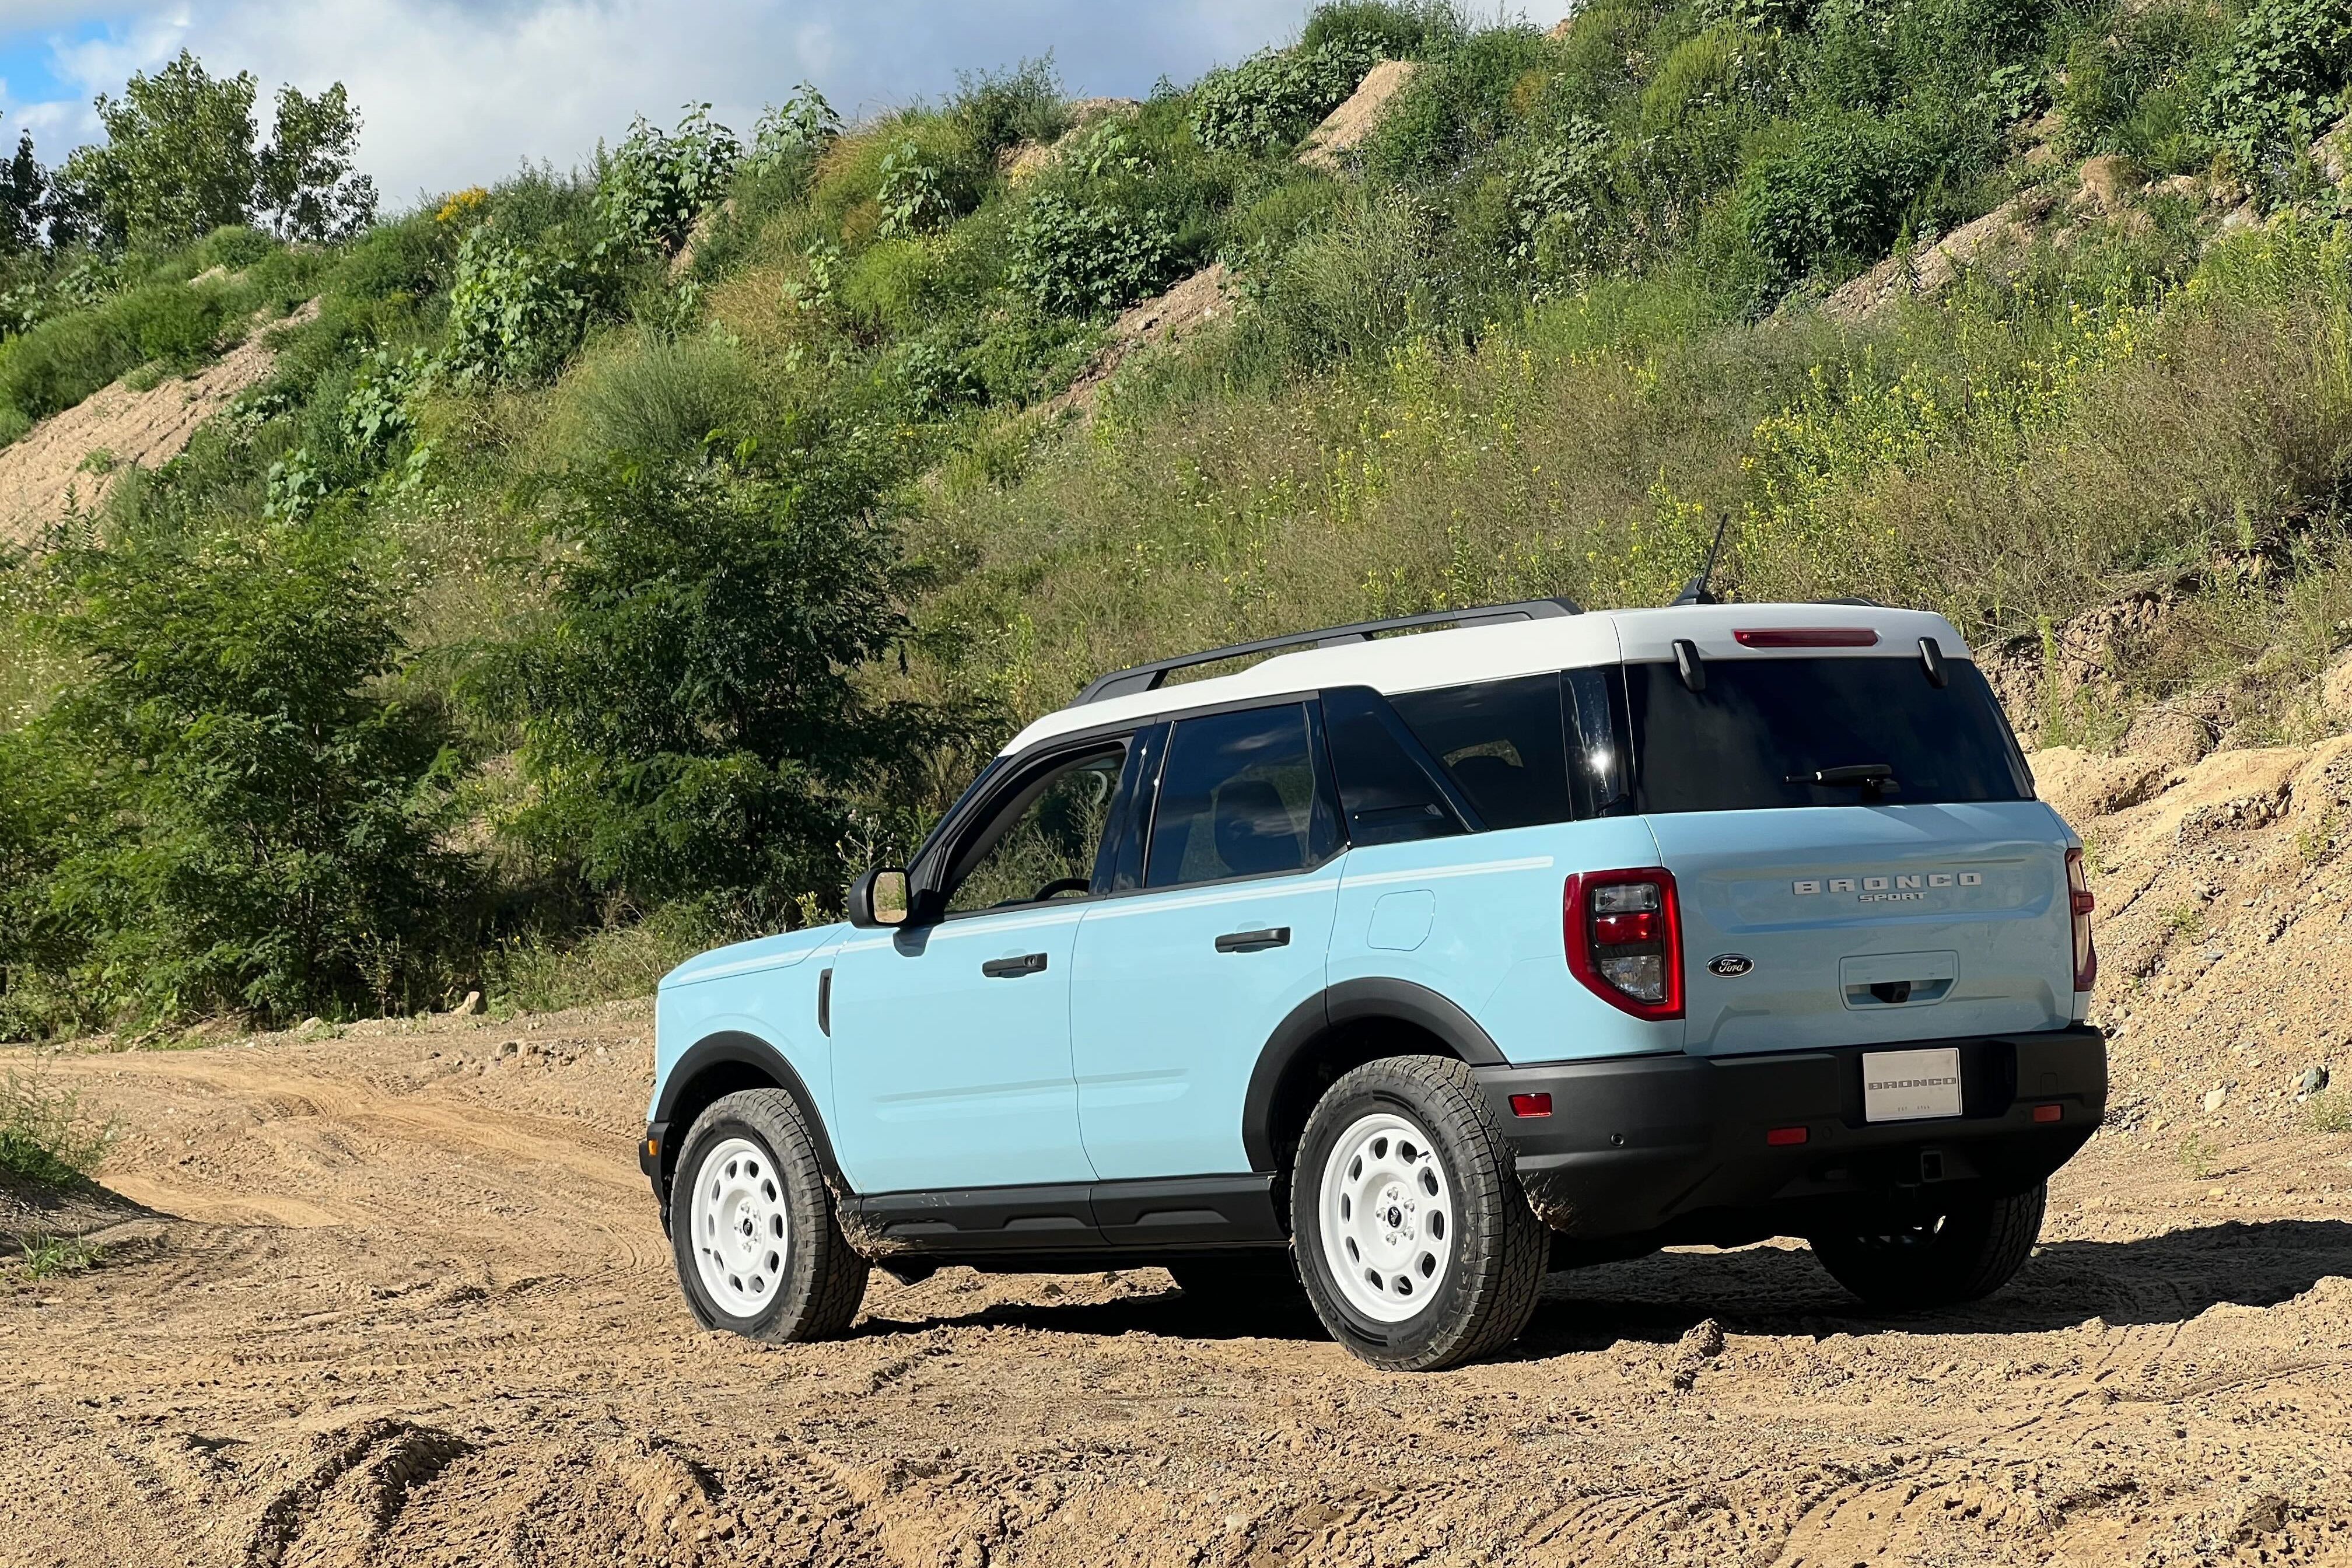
1014 968
1254 940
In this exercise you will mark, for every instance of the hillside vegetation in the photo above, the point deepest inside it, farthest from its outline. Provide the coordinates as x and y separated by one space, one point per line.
624 556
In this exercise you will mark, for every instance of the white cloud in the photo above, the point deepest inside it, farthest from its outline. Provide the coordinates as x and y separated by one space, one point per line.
457 93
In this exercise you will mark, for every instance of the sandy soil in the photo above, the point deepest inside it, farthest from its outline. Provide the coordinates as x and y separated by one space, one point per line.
400 1297
48 472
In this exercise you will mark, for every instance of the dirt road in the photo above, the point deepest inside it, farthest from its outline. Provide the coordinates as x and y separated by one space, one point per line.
401 1297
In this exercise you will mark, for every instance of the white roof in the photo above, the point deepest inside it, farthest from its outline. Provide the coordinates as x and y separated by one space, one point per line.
1418 661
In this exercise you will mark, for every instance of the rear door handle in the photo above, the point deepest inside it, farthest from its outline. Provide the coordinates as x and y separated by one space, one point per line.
1254 940
1014 968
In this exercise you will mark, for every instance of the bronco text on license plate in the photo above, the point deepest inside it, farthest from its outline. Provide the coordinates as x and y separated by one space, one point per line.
1910 1086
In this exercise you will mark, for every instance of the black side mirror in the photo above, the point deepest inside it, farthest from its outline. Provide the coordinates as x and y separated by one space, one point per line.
880 899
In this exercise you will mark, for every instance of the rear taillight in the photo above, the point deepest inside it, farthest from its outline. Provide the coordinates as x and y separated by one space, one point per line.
1624 937
2078 895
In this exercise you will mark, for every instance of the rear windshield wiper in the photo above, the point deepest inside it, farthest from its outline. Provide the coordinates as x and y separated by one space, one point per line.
1874 779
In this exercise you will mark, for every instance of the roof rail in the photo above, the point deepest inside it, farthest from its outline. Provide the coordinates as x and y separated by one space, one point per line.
1151 676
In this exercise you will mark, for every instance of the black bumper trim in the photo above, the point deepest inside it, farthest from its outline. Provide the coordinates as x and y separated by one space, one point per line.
1636 1145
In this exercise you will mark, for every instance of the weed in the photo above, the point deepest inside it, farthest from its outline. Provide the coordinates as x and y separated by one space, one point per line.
45 1133
47 1256
2196 1157
2186 919
2330 1110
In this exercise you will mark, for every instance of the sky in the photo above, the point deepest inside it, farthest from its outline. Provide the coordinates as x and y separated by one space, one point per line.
460 93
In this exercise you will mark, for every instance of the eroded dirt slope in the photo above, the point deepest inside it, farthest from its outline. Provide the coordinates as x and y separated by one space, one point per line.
400 1298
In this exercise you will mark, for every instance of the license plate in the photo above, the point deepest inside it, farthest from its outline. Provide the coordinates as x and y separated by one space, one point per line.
1910 1086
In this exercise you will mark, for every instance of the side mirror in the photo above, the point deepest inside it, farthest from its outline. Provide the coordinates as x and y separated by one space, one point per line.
880 899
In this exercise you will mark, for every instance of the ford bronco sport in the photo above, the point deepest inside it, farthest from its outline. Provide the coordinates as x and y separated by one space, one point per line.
1403 967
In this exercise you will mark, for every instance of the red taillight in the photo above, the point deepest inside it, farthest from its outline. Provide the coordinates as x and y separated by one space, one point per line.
2078 895
1624 939
1807 637
2049 1113
1787 1137
1531 1104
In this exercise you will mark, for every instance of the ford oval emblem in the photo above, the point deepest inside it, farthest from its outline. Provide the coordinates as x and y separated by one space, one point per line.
1730 965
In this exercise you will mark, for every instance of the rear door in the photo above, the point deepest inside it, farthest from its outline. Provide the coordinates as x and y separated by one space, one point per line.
1920 893
1220 930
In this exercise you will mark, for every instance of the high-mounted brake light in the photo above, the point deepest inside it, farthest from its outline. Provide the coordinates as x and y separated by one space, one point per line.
1806 636
1624 939
2081 903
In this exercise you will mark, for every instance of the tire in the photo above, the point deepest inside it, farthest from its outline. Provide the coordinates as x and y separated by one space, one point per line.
1962 1256
1404 1183
749 1170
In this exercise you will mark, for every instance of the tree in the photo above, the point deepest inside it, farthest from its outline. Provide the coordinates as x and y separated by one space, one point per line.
178 157
180 160
690 718
24 199
306 184
233 812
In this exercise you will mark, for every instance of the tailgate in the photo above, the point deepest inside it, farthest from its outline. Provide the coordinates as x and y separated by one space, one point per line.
1855 925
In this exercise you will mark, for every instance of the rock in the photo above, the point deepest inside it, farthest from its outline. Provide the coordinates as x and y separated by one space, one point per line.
213 274
1929 270
2240 216
470 1006
1562 28
2215 1097
2333 153
1204 296
2313 1081
2108 182
1351 124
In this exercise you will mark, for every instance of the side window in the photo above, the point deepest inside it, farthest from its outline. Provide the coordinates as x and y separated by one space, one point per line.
1237 798
1597 763
1042 839
1386 787
1501 742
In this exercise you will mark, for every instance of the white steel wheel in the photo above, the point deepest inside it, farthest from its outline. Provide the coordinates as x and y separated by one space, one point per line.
742 1227
1386 1217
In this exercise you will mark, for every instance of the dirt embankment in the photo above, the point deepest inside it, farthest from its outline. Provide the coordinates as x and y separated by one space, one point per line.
70 460
400 1298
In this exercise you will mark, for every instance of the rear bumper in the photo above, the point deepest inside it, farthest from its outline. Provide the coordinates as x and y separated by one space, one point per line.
1675 1148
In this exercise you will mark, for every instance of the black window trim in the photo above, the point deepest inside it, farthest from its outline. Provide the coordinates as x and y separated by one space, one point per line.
1327 794
979 808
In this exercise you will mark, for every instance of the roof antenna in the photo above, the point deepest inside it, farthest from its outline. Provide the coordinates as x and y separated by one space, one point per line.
1695 591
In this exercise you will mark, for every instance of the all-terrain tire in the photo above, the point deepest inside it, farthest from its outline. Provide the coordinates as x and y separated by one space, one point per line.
1965 1256
801 1280
1425 1119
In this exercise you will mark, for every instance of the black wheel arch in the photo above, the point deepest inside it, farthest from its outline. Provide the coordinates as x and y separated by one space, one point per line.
1339 1029
719 1065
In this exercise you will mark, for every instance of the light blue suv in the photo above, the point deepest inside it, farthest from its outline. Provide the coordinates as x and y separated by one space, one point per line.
1403 967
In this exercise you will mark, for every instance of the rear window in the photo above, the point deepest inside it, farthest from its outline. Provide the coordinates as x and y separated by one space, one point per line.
1747 742
1501 742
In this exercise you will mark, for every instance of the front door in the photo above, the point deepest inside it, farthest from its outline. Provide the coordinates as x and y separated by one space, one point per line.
951 1040
1177 985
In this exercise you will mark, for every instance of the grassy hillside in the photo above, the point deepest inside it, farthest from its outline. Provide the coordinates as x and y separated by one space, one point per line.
627 555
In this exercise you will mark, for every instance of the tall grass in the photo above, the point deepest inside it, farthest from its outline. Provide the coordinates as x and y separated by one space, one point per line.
46 1135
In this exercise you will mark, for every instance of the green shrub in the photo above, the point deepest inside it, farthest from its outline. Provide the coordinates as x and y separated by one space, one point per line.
1270 101
1353 288
514 313
1383 29
1840 191
654 186
1074 259
2282 80
2138 90
251 820
619 961
648 396
67 357
1004 109
44 1134
689 712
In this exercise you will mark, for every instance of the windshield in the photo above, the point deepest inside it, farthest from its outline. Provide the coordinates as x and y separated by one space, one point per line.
1763 728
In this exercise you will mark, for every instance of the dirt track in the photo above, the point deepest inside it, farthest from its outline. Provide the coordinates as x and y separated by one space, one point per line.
401 1297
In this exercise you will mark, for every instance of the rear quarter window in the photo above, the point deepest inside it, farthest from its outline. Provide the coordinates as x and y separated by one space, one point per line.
1746 741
